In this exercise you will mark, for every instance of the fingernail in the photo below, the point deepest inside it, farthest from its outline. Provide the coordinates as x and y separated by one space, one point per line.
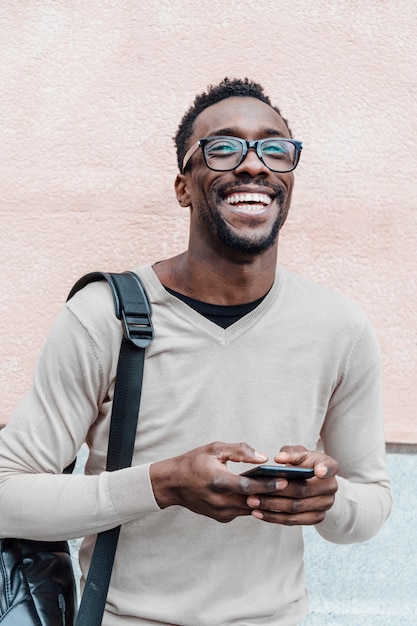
281 483
257 514
260 456
253 502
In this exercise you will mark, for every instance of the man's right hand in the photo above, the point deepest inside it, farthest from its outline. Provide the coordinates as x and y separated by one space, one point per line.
200 481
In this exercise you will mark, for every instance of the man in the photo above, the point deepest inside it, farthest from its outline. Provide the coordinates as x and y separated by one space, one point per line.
244 352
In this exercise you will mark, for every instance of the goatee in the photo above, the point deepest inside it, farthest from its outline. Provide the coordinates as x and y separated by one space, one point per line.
215 223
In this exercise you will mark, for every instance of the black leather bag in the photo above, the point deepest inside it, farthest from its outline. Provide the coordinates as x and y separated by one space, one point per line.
37 586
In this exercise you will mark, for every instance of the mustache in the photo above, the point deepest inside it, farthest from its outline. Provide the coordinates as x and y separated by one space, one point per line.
277 190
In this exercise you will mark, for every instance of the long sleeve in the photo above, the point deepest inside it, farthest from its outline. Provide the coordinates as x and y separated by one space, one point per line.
353 434
69 403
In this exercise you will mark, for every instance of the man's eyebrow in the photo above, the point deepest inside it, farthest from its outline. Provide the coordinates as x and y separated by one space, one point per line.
234 132
273 132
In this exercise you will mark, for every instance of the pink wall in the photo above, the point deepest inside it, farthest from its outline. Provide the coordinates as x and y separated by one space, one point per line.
92 92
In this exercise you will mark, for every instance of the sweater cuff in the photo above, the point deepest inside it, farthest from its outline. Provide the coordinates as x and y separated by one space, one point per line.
340 519
131 492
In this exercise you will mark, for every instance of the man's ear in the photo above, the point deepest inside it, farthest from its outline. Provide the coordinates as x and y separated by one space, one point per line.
181 190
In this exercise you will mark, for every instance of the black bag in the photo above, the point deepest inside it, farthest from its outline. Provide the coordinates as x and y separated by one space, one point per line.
37 586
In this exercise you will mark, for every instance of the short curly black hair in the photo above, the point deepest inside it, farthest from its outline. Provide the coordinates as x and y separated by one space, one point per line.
227 88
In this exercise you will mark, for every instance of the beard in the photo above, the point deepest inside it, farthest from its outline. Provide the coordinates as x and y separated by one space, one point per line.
251 246
245 245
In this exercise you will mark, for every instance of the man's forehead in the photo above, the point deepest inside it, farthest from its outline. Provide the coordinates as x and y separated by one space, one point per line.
244 116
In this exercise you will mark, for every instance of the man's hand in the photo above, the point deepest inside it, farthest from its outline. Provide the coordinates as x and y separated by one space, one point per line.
200 481
302 502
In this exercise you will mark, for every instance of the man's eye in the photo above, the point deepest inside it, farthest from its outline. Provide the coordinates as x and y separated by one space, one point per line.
275 150
222 149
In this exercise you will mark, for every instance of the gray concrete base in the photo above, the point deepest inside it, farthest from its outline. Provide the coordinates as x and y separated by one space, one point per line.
373 583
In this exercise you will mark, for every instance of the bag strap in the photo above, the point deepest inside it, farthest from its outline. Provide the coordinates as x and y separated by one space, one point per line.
133 309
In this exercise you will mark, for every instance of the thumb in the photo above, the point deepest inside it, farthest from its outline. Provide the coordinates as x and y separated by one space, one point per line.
239 452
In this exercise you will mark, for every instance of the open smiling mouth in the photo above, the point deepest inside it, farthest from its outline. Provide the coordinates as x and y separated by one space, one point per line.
252 202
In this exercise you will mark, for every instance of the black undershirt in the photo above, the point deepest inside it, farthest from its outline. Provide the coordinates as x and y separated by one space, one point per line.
221 315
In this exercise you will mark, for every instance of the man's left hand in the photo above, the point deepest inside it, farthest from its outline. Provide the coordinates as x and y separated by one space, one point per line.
302 502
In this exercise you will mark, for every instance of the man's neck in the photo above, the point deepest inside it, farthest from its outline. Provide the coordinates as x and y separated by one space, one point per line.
224 282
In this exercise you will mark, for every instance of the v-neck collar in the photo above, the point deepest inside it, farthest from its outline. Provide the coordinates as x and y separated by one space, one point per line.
158 294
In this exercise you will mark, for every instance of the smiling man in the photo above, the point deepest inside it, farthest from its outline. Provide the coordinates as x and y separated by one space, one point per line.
246 352
258 196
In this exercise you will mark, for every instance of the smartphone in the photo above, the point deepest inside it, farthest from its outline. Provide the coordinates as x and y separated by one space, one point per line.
290 472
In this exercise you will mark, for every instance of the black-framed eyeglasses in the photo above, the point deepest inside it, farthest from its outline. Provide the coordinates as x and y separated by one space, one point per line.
224 153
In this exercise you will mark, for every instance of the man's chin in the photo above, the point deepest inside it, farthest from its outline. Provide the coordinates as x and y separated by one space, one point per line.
248 246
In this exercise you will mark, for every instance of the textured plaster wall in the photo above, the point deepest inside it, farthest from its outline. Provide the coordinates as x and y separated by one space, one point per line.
91 94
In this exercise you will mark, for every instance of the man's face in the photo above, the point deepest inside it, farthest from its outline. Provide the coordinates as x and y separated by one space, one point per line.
242 209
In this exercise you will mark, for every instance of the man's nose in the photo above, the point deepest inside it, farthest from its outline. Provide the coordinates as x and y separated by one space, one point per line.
251 164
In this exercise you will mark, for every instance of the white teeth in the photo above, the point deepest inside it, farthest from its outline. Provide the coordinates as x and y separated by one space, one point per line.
258 198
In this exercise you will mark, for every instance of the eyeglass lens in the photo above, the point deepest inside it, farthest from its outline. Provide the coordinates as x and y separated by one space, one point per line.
225 153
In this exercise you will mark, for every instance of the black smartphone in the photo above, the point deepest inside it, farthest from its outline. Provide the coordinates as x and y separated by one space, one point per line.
290 472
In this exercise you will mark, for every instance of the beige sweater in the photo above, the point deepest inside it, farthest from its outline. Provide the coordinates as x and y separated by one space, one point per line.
304 364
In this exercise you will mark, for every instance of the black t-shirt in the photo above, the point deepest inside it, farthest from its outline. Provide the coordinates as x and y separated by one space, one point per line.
221 315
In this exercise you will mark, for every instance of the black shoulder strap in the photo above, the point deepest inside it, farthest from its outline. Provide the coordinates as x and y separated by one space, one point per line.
133 309
131 304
